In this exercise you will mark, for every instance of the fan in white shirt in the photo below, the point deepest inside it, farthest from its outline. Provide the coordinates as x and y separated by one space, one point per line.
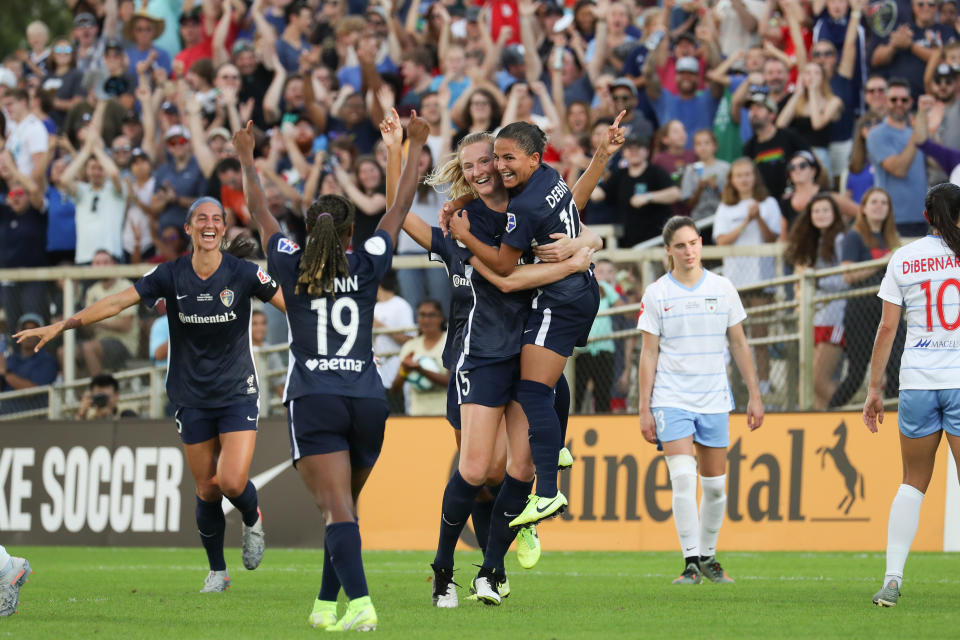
922 277
687 318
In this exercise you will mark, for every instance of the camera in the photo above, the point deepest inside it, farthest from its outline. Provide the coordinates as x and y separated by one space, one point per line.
100 400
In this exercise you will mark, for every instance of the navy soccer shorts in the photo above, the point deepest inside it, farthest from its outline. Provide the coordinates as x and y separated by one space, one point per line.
321 423
200 425
560 328
488 383
453 406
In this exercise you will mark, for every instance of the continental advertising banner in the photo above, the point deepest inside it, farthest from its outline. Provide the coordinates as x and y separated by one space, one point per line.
802 482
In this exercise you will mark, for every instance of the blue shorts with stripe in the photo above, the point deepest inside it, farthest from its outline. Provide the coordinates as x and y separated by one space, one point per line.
561 328
200 425
924 412
488 383
321 423
708 429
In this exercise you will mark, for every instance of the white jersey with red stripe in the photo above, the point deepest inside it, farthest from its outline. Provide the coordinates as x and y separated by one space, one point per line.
924 277
692 323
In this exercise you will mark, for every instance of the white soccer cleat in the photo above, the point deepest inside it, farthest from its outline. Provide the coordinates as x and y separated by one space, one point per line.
10 586
252 544
444 589
216 582
485 585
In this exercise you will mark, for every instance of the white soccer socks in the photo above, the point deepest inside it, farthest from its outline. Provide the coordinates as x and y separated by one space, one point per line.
904 518
713 503
683 476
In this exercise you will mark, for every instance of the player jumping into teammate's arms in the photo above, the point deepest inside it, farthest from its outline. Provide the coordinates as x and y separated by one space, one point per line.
336 407
929 388
211 377
686 318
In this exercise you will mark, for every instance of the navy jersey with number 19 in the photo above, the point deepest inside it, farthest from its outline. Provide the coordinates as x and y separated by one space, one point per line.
211 355
331 336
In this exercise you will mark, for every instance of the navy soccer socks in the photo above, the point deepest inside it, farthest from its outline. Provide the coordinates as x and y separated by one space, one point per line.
211 524
458 501
561 405
343 543
509 503
537 401
482 510
246 504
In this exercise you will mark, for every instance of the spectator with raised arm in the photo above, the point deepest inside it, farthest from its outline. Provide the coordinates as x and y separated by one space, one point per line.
179 180
142 30
293 41
27 138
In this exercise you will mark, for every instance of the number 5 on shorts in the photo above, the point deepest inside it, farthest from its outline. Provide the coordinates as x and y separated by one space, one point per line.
464 383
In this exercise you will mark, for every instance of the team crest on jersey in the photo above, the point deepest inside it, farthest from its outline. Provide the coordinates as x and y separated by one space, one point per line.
287 246
511 222
226 297
711 304
262 275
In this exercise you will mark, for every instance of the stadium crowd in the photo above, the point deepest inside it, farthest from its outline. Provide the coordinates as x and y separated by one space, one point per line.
819 124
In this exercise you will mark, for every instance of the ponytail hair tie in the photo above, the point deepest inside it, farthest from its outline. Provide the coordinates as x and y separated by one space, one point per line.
325 213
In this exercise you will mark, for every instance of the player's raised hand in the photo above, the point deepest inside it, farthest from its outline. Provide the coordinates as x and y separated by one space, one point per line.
557 251
873 410
417 129
46 334
616 135
648 426
244 142
460 224
392 130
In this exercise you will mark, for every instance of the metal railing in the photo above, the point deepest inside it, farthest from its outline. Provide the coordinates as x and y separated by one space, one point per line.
789 322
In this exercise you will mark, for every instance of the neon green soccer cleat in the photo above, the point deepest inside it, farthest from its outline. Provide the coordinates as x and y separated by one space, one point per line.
360 616
565 460
324 614
528 546
538 509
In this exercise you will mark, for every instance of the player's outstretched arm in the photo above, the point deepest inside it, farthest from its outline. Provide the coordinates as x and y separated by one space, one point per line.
531 276
256 201
101 309
392 132
614 139
886 332
417 132
740 351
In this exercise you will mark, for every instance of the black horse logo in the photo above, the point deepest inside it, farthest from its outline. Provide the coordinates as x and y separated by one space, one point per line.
844 466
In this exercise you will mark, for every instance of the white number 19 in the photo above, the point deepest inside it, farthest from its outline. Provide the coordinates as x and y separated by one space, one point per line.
348 331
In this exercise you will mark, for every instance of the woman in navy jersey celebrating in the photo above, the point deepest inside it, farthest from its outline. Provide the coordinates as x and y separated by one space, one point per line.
335 400
923 278
541 204
211 377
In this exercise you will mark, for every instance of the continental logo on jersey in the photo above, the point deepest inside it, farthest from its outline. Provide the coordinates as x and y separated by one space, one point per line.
287 246
263 276
711 304
216 318
511 222
226 297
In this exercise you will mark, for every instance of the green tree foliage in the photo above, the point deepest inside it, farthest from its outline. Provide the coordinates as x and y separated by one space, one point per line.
17 14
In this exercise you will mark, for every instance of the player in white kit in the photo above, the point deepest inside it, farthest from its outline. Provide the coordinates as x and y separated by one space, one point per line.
922 277
686 318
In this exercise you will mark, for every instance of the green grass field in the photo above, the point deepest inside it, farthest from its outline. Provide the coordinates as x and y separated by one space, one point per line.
153 593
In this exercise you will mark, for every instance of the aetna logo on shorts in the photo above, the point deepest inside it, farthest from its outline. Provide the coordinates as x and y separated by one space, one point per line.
217 318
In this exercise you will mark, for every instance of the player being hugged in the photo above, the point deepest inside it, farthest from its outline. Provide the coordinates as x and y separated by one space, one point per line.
211 377
561 314
686 318
924 278
336 406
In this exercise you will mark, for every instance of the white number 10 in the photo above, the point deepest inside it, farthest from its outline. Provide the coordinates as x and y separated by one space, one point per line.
348 331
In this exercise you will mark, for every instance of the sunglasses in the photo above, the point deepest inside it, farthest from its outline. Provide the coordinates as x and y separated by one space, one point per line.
944 80
122 149
175 142
824 53
63 49
797 166
876 89
901 100
17 193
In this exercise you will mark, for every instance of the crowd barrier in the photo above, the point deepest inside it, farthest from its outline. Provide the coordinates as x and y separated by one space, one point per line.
814 482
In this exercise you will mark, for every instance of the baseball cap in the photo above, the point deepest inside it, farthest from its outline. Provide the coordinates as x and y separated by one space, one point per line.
194 14
765 100
512 55
84 19
130 117
626 83
688 64
634 139
169 107
944 70
139 154
175 131
220 132
686 35
29 317
113 43
242 44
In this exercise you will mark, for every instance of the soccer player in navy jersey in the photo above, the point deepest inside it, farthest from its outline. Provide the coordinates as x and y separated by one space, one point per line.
211 377
541 205
336 407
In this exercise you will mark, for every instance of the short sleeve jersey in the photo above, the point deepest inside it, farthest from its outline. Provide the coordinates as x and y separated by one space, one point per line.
331 336
454 257
545 206
924 277
692 323
211 354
